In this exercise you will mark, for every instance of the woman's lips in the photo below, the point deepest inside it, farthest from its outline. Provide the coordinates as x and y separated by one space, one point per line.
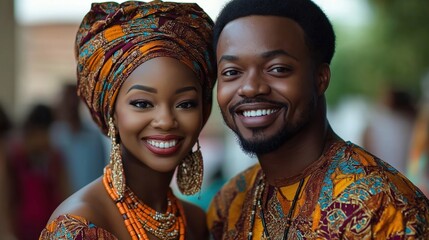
163 145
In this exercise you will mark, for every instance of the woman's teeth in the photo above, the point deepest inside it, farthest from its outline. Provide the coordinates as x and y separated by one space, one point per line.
162 144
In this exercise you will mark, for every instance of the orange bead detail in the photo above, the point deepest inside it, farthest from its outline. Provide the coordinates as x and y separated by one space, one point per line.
139 218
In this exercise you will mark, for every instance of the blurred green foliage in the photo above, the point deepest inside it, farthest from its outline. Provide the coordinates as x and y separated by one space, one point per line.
391 49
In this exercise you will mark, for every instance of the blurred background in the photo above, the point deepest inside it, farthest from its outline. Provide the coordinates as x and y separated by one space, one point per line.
378 98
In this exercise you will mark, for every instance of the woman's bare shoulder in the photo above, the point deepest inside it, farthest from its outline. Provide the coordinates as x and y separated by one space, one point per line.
89 203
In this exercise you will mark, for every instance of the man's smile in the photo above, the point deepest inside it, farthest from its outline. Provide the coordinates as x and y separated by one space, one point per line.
258 115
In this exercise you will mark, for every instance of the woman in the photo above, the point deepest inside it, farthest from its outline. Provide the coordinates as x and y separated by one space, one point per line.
145 70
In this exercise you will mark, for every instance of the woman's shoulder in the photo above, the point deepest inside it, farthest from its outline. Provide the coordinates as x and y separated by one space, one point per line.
74 227
85 202
89 209
196 221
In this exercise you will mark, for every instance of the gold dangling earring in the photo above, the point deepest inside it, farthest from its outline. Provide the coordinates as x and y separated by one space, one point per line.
118 176
190 172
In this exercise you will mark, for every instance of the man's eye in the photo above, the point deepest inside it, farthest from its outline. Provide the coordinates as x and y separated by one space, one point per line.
187 105
279 69
141 104
230 73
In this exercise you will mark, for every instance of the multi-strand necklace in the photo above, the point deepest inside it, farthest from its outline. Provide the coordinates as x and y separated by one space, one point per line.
257 203
139 218
332 146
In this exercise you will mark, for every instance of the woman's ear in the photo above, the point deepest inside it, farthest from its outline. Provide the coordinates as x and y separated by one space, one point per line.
323 78
114 120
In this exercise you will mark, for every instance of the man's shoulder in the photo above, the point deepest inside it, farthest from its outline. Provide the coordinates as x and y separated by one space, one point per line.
230 199
355 170
361 186
353 159
237 186
243 180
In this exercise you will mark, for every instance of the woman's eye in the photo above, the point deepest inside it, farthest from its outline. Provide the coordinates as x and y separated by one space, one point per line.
141 104
187 105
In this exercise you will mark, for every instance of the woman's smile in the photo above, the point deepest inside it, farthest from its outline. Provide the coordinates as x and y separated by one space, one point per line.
163 144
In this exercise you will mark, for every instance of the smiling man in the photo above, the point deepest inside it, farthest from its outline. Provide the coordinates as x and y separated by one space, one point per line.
273 61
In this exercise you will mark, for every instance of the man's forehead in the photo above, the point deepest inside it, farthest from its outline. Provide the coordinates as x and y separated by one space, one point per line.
259 35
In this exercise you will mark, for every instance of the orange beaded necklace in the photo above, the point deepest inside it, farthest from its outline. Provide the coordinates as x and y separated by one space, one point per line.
139 217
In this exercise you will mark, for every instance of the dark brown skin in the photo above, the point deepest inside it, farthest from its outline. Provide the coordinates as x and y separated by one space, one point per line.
266 57
170 109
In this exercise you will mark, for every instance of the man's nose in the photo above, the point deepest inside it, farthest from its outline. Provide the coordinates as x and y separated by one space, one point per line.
254 85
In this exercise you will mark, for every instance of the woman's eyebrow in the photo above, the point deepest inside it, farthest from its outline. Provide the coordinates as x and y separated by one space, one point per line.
143 88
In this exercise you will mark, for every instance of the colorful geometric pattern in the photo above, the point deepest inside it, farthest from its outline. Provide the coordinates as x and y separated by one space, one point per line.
70 227
353 195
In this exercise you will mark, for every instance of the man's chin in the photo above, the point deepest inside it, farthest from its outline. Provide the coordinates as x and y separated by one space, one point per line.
260 143
256 147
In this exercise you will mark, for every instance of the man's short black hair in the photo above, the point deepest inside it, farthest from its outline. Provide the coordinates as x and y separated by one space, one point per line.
319 33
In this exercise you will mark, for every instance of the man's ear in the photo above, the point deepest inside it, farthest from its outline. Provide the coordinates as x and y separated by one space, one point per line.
323 77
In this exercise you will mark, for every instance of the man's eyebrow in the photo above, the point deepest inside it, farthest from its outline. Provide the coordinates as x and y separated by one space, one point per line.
274 53
143 88
268 54
230 58
184 89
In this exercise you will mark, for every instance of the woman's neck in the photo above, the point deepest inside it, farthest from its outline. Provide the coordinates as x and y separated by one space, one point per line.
150 186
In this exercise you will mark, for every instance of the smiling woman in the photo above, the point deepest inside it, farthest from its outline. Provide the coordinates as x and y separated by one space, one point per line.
145 71
158 124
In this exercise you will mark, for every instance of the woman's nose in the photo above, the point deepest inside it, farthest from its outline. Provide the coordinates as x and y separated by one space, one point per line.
164 119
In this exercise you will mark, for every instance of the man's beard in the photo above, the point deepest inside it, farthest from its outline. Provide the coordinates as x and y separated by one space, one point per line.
261 144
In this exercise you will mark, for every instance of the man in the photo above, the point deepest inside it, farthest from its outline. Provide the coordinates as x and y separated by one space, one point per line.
273 65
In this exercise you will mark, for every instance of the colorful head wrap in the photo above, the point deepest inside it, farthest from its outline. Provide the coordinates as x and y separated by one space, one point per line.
114 39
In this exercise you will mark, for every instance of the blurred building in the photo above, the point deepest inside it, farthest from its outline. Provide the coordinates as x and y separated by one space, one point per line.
7 55
46 61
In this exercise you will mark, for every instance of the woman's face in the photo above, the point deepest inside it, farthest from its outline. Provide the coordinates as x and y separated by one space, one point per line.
158 113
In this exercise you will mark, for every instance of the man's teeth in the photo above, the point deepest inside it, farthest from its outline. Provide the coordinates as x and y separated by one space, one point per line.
259 112
162 144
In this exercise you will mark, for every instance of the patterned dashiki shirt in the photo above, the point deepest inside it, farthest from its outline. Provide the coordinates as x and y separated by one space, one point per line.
71 227
350 195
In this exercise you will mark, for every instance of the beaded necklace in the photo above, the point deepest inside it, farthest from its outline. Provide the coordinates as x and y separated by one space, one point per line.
257 202
139 218
333 146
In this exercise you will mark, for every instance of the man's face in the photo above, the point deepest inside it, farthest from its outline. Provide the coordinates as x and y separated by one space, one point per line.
267 87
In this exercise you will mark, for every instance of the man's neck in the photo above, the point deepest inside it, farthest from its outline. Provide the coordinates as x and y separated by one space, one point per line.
298 153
